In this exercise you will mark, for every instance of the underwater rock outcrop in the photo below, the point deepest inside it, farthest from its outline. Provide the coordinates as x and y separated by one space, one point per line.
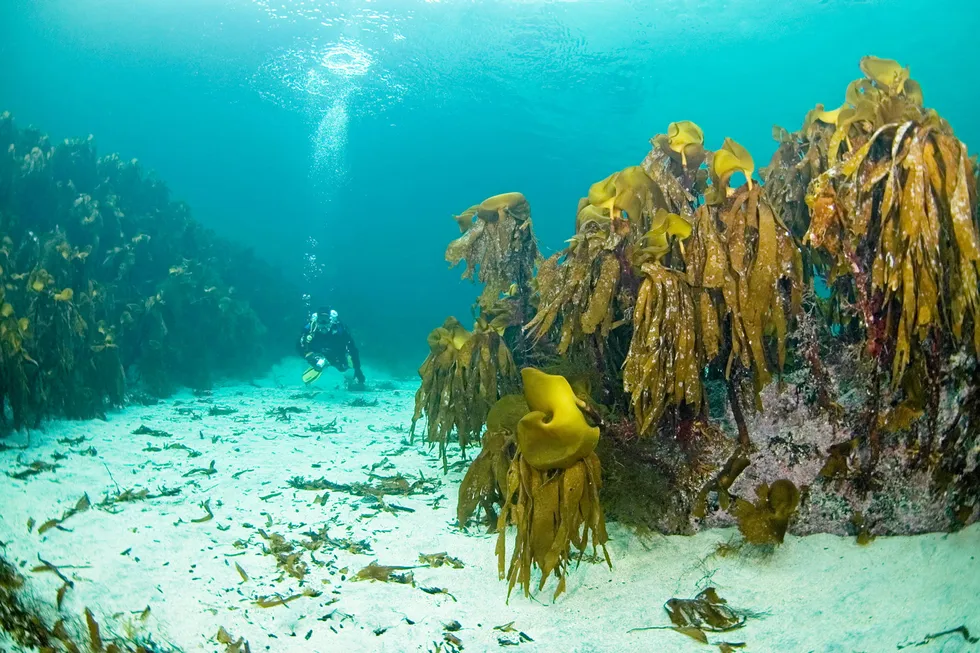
105 281
795 356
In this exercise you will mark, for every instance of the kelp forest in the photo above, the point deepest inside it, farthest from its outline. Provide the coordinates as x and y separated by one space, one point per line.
797 355
112 293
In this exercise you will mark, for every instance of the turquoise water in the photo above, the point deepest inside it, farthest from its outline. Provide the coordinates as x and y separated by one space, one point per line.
337 140
354 130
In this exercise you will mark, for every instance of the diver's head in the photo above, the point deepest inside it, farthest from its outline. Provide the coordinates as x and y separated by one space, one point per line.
327 317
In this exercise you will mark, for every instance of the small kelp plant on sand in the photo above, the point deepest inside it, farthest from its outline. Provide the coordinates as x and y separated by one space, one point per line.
696 314
105 281
552 492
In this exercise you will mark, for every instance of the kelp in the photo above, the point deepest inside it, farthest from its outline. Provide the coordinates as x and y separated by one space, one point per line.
666 357
895 211
80 506
22 619
497 237
276 600
552 511
485 482
386 574
706 612
231 644
581 286
106 282
553 508
464 374
586 291
765 521
749 268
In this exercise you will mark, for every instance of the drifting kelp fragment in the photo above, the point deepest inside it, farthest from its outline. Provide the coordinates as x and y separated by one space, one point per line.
208 515
146 430
705 612
231 644
395 485
94 634
220 411
67 583
959 630
553 509
385 574
129 495
191 453
81 505
288 560
766 521
321 539
440 559
276 600
208 471
329 427
283 413
33 469
438 590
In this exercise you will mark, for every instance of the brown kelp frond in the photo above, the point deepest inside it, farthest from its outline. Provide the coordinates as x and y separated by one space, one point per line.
731 158
581 287
674 163
765 521
630 195
497 237
553 483
750 270
552 510
463 375
666 355
485 482
896 214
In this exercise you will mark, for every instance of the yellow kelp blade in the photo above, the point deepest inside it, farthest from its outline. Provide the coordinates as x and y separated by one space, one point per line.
311 375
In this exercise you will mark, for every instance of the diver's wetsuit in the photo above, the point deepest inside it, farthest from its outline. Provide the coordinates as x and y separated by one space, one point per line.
333 344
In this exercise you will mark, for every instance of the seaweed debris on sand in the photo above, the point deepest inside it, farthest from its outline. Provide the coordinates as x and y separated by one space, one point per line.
270 546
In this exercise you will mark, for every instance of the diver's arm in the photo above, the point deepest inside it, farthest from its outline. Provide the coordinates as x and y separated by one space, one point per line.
355 357
303 342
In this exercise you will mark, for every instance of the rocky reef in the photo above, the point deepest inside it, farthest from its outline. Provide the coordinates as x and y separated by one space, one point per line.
109 290
798 355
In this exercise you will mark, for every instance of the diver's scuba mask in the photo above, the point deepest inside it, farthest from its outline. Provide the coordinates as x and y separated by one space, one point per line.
325 322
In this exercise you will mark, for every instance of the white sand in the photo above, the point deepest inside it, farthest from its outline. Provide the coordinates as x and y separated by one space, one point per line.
819 593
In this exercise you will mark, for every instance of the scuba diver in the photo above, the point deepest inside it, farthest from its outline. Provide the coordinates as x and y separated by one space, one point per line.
325 341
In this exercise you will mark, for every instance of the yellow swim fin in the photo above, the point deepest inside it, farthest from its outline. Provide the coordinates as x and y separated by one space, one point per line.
311 375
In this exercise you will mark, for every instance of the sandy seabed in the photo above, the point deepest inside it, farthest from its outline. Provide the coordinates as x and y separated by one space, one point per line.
818 593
